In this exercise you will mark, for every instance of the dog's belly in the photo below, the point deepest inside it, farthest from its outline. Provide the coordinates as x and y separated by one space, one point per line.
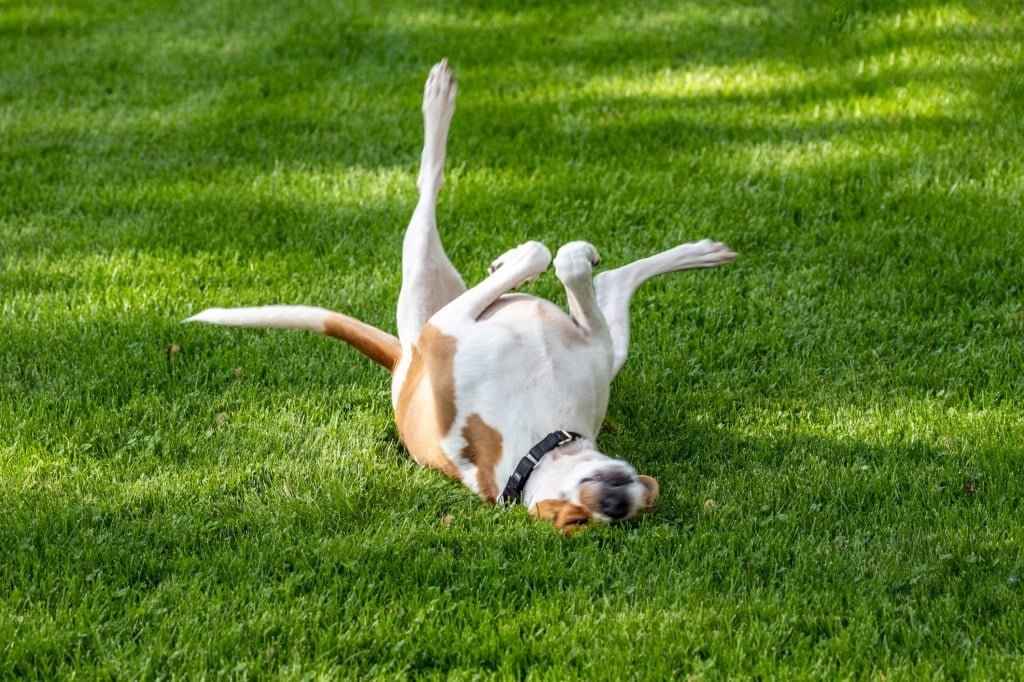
476 398
524 370
527 351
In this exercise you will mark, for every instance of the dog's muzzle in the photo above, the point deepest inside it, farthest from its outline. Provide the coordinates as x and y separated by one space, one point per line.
615 500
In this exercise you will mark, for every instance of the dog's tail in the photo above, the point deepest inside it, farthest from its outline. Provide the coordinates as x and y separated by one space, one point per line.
379 346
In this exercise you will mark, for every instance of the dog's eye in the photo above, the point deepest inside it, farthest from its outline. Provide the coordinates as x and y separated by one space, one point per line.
588 479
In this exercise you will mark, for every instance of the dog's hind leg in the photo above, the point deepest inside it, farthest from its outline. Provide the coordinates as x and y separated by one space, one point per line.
429 282
615 288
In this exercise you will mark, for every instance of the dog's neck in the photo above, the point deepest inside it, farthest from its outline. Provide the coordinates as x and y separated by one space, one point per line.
516 483
555 474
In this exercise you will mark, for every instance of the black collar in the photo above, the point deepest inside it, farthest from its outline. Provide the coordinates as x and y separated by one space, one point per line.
517 481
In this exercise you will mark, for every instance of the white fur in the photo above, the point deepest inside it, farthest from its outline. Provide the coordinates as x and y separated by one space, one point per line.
303 317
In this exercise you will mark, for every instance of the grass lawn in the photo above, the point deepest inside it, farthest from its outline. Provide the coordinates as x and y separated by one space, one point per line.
836 420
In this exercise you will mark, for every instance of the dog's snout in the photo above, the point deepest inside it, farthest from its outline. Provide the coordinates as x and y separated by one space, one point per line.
615 500
614 503
610 492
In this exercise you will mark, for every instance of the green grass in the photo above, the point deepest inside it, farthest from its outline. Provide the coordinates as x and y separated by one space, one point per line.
836 420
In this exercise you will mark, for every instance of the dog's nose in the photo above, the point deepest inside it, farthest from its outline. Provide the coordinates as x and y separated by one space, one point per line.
614 502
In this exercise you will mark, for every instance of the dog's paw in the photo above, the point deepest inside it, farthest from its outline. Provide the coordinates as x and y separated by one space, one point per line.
716 251
703 254
498 262
439 92
576 260
709 253
531 259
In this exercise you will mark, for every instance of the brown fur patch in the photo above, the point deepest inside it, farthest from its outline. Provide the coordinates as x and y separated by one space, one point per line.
483 448
566 516
425 408
590 496
652 490
379 346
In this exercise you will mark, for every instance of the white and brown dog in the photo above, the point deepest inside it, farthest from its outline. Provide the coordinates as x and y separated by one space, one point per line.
504 392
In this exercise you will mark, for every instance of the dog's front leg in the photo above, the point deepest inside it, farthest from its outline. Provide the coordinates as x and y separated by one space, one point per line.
522 264
574 267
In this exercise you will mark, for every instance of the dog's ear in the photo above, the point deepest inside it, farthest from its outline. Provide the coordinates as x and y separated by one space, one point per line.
567 516
651 490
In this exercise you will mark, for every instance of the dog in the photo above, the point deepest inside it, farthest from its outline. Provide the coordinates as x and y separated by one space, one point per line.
502 391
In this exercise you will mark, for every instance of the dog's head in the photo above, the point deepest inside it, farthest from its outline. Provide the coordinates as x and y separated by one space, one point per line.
577 484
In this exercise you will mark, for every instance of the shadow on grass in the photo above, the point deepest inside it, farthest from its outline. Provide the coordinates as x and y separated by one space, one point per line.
805 515
250 101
